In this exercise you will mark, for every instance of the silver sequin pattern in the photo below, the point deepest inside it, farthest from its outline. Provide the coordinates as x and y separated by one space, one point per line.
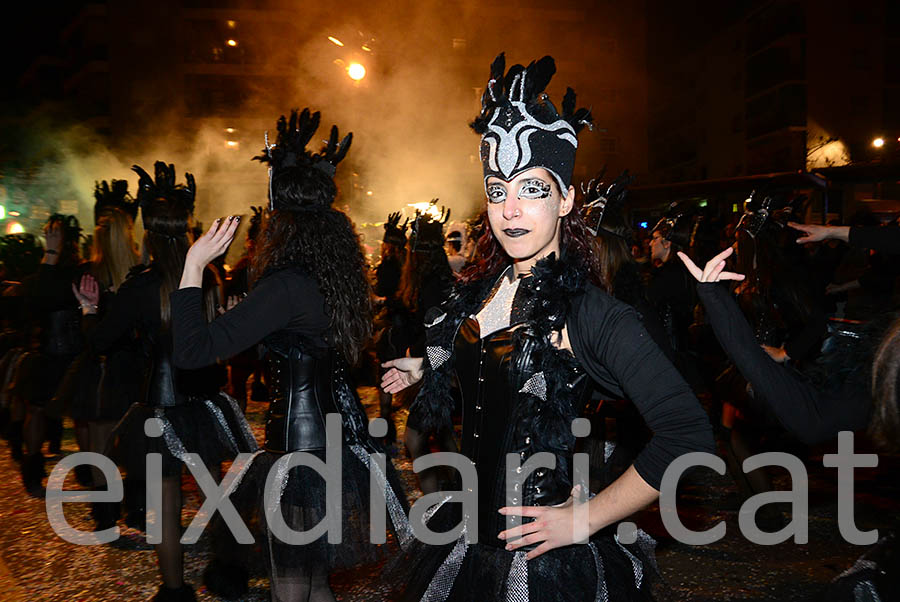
636 565
249 438
494 315
536 385
220 419
173 443
437 356
608 448
865 592
602 595
517 581
395 509
443 579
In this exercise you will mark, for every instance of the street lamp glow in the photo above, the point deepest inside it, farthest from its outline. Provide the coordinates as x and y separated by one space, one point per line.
356 71
335 41
14 228
233 144
232 43
878 142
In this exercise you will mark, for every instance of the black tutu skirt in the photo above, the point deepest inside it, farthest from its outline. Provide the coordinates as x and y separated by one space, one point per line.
603 570
213 428
303 506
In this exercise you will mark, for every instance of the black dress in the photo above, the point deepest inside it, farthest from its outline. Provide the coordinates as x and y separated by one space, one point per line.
308 380
195 416
520 394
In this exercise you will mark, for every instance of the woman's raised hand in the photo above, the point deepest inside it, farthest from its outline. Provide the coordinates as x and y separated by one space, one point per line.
404 372
713 272
88 293
214 242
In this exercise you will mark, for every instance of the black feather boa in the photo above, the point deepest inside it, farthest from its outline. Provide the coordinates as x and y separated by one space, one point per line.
547 296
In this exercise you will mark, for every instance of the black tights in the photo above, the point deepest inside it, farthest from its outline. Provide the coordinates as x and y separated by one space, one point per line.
417 444
169 552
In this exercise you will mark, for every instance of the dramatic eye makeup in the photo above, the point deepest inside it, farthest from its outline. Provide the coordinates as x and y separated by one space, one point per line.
496 193
534 188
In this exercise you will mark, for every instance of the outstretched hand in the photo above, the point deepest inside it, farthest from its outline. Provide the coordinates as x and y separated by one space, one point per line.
213 243
404 372
713 272
552 527
817 233
88 293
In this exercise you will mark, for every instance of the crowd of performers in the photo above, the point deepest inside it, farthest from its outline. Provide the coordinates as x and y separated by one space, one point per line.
546 308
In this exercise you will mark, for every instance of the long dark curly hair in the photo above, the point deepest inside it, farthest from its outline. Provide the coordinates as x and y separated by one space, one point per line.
323 243
576 243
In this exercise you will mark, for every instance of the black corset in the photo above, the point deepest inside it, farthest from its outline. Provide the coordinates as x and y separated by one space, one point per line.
301 388
490 380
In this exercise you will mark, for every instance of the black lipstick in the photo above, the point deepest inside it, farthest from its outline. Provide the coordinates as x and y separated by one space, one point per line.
515 232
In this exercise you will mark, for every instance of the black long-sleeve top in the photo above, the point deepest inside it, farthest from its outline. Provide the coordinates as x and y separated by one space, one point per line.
809 414
879 238
613 346
136 307
284 303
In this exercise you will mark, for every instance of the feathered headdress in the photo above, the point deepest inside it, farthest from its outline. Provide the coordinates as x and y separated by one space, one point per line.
162 188
394 233
290 150
521 129
427 232
255 222
605 200
678 224
113 196
766 207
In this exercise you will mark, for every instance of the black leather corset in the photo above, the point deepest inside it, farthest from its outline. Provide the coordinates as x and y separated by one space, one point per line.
301 388
490 378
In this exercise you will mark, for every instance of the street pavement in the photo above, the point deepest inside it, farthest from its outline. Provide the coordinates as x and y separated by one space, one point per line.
37 566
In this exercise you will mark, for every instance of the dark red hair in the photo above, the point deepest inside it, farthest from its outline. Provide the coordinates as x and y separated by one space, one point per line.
576 244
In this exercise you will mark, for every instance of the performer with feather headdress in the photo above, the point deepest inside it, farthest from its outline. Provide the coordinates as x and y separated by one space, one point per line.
311 307
194 417
524 333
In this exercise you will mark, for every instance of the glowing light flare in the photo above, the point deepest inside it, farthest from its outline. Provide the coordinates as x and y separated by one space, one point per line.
230 130
232 144
427 208
2 212
356 71
232 42
369 193
14 214
366 48
15 228
231 24
878 142
335 41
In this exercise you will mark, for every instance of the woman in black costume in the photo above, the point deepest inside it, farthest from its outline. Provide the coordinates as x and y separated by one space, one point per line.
521 334
55 337
390 320
311 306
427 280
194 416
99 388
